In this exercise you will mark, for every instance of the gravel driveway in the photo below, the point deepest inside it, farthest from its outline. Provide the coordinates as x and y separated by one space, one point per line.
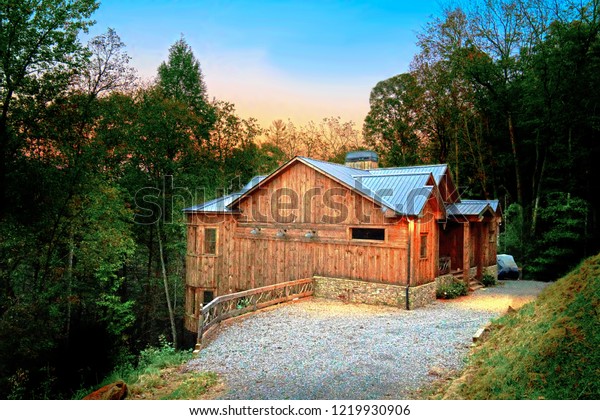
319 349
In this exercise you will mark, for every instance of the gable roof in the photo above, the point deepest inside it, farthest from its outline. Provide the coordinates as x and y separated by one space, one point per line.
438 171
404 194
403 190
222 204
471 207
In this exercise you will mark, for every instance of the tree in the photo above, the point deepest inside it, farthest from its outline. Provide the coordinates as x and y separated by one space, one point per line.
107 69
180 77
37 37
393 124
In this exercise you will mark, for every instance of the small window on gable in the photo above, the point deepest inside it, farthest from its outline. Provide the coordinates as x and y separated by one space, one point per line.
423 251
210 241
369 234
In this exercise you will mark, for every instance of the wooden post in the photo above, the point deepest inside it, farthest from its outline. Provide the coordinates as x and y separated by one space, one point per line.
198 346
466 262
480 251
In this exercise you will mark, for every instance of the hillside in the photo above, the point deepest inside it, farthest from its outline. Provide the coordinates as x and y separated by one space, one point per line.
550 349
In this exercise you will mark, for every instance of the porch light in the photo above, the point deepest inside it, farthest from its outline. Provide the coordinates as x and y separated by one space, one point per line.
310 234
280 233
255 231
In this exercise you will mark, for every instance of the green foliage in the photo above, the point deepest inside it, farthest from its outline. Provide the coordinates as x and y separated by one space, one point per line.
562 235
180 78
512 238
452 290
389 126
548 349
488 280
144 370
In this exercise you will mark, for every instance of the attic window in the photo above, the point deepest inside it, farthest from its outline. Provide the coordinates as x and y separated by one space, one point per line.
368 234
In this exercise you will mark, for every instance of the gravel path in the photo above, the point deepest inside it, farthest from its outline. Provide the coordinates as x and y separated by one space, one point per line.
318 349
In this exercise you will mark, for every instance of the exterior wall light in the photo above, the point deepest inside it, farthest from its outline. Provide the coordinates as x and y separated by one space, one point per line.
310 234
255 231
280 233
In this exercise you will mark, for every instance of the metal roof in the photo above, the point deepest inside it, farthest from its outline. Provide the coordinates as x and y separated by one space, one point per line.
405 194
221 204
403 190
253 182
218 205
438 171
468 208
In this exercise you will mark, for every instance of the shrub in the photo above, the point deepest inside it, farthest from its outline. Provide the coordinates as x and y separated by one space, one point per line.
488 280
451 291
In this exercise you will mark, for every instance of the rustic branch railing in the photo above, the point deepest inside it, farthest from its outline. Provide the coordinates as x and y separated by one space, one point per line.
236 304
443 265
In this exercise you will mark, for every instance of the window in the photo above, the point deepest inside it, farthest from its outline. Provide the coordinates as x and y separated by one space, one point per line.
210 241
423 251
492 235
368 234
209 295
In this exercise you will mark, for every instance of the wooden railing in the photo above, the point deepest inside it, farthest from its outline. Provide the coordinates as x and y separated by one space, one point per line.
443 265
236 304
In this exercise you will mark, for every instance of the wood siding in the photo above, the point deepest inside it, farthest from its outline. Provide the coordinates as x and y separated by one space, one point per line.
298 201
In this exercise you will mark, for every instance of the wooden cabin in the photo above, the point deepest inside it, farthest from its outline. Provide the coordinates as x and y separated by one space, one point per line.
366 234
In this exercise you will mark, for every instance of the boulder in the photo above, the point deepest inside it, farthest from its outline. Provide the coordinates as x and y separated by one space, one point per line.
114 391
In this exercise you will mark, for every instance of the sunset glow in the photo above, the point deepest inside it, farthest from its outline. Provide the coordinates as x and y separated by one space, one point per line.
277 60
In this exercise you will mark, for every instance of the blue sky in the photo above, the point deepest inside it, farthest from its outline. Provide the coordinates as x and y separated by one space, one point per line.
302 60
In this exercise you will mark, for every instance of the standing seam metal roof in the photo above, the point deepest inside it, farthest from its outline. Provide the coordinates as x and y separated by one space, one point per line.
438 171
404 193
404 190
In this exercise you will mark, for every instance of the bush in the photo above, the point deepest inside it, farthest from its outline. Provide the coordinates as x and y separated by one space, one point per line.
451 291
488 280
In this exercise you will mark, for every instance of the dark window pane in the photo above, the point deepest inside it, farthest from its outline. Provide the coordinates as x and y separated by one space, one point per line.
210 241
368 233
209 295
424 246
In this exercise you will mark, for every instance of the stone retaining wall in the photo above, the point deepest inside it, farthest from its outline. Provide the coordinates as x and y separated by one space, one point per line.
356 291
420 296
445 280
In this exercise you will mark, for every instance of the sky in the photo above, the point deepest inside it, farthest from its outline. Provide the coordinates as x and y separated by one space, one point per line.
297 60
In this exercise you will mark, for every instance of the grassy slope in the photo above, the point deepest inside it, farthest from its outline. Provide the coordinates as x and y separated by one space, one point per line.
549 349
160 374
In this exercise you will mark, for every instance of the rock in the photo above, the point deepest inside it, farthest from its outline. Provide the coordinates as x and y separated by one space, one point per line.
114 391
438 371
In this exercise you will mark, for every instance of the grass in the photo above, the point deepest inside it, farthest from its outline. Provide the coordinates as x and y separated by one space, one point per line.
550 349
159 374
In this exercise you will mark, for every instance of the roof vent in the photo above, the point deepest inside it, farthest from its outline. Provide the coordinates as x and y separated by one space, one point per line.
365 159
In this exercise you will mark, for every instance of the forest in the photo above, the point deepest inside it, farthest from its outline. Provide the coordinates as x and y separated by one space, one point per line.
96 165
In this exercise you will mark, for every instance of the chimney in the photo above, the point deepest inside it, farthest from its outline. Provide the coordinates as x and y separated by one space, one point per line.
362 160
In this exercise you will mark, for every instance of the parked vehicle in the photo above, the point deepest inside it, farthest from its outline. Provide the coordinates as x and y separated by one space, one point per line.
507 267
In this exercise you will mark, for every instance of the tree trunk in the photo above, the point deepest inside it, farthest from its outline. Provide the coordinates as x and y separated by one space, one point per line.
513 143
166 284
537 187
69 284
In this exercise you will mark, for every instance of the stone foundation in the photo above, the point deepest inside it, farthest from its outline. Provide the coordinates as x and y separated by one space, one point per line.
445 280
357 291
420 296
